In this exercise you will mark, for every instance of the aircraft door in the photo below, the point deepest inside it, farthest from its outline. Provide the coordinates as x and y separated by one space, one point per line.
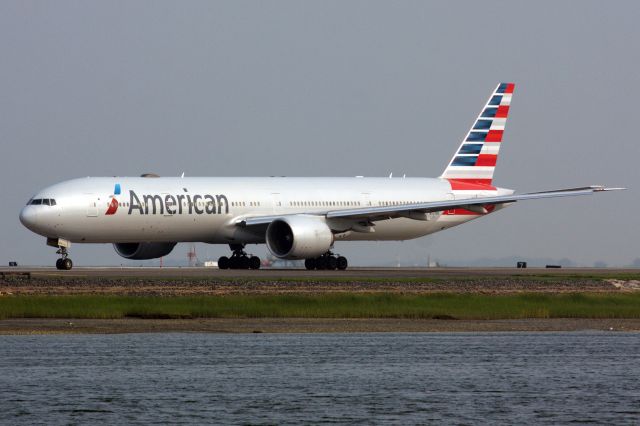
451 197
365 199
92 205
276 202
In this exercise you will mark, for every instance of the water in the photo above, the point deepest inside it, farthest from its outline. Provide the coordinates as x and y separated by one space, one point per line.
315 378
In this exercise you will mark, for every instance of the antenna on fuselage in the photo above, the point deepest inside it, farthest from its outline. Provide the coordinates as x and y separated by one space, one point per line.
182 175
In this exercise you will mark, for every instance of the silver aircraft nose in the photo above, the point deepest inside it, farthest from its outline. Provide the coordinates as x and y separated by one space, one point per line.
29 217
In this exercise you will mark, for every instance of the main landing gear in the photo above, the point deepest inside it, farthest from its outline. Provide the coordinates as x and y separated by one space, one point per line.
239 259
327 261
64 263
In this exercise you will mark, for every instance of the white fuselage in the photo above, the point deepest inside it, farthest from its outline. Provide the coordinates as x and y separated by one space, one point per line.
203 209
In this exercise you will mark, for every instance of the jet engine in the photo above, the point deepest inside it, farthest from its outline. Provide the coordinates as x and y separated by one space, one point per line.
299 237
143 251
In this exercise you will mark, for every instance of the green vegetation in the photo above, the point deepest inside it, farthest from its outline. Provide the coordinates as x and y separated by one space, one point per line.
331 305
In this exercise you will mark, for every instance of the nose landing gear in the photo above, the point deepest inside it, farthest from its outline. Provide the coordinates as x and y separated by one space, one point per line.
327 261
64 263
239 259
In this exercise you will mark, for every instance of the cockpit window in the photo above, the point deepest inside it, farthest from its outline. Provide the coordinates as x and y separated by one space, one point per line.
41 201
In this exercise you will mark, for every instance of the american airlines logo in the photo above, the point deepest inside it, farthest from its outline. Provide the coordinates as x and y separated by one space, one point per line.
113 205
170 204
178 204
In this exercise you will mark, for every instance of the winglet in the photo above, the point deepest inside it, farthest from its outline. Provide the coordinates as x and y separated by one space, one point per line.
603 188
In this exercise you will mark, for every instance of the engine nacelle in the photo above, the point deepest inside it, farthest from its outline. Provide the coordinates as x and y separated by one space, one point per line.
299 237
143 251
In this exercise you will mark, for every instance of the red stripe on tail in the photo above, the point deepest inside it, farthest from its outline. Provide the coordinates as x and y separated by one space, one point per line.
494 136
471 185
487 160
503 111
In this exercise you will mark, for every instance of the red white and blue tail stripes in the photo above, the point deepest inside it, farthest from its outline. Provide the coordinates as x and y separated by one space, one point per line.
473 164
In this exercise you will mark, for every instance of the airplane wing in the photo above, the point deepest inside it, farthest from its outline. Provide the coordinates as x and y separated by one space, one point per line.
476 204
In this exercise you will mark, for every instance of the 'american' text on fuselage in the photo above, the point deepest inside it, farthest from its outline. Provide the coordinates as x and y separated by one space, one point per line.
173 204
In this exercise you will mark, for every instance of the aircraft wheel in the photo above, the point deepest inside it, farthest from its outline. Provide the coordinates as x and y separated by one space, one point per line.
254 262
234 262
310 264
66 264
332 263
321 263
223 262
342 263
59 264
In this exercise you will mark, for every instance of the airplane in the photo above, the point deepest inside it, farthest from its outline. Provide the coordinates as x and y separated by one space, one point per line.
296 217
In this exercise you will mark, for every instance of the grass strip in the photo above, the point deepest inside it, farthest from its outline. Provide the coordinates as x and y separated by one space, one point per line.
349 305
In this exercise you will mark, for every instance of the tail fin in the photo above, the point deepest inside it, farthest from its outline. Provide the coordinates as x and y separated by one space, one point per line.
475 160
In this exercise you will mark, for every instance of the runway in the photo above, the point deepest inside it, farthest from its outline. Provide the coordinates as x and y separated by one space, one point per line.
350 274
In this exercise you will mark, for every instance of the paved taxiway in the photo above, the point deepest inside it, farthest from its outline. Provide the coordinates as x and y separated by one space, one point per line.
351 273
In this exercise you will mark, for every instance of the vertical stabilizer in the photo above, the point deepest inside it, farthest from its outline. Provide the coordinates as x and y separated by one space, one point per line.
475 160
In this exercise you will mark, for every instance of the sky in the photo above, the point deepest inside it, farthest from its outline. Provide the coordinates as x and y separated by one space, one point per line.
331 88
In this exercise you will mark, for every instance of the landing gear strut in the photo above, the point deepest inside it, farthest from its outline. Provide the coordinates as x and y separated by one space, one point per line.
327 261
239 259
64 263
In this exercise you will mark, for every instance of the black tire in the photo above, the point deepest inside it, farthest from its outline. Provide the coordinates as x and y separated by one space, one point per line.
321 263
66 264
234 262
254 262
223 262
243 262
332 263
59 264
342 263
310 264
